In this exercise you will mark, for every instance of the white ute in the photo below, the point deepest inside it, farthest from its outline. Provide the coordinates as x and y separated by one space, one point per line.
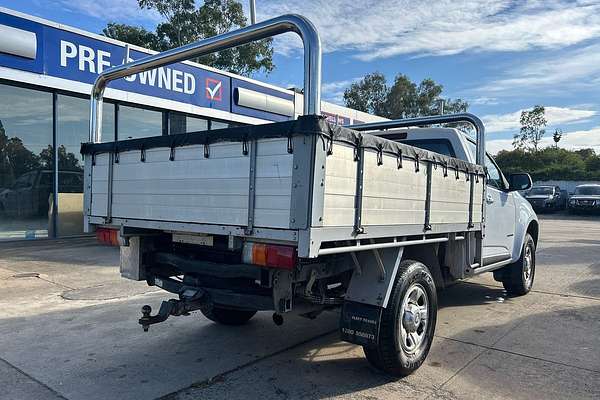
302 216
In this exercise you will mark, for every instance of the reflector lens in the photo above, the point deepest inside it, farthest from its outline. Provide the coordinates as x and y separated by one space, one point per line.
270 255
259 254
108 236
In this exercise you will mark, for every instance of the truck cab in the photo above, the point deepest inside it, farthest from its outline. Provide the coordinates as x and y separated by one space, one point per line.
509 216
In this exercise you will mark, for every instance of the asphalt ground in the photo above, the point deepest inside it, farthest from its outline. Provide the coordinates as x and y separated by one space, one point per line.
68 330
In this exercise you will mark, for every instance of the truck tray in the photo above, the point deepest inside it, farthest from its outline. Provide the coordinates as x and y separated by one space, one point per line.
305 181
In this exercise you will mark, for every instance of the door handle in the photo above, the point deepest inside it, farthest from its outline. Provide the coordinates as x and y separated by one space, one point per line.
489 199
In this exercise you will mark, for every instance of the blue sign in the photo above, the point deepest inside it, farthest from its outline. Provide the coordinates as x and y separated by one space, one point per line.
76 57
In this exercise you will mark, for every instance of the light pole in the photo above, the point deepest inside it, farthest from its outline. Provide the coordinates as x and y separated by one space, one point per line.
252 12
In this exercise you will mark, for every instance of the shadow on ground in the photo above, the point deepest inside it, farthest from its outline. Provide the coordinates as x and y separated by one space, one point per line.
100 352
525 362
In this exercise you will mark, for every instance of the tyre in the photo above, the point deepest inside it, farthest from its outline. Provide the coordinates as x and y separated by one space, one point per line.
227 316
407 323
517 278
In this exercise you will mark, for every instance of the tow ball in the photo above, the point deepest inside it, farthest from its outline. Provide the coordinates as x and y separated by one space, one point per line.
167 308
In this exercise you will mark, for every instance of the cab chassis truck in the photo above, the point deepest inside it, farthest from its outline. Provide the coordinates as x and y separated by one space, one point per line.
294 217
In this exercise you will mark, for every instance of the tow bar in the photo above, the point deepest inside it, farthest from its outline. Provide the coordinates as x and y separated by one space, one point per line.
170 307
192 298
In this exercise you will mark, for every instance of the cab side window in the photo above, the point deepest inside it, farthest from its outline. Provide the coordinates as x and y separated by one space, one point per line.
494 177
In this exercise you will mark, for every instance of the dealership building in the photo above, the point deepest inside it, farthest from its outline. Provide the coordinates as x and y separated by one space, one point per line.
46 74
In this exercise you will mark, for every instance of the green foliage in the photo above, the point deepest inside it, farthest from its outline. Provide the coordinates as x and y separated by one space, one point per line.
66 161
184 23
368 95
532 128
404 99
552 163
135 35
556 136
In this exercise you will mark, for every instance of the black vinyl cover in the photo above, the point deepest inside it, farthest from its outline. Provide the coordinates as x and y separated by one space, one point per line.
304 125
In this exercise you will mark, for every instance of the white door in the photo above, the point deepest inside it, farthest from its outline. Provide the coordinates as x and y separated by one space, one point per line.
500 216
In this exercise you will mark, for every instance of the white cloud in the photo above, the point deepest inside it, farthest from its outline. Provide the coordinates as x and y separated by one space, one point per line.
554 116
122 11
582 139
334 91
379 29
580 68
494 146
484 101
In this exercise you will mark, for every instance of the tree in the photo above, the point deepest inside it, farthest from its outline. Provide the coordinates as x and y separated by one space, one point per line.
7 175
532 128
552 163
556 136
135 35
66 161
592 164
21 159
368 95
184 23
586 154
404 99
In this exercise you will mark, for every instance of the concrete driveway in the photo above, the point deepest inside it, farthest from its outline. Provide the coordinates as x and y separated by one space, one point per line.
68 330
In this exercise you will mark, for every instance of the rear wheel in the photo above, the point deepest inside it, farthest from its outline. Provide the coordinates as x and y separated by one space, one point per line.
227 316
408 323
518 277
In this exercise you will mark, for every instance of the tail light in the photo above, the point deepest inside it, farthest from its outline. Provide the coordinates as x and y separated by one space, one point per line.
270 255
108 236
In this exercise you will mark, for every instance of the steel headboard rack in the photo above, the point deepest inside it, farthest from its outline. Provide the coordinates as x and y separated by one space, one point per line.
265 29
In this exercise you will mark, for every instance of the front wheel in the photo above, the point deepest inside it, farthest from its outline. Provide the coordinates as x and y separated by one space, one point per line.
227 316
518 277
407 323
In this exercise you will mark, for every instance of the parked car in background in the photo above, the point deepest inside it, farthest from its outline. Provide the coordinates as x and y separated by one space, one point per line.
585 198
546 198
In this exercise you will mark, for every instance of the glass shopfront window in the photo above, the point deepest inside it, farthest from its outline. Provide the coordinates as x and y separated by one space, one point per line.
182 123
72 128
218 125
26 162
28 207
139 122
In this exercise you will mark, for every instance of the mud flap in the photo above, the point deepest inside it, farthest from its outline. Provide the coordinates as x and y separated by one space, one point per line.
359 323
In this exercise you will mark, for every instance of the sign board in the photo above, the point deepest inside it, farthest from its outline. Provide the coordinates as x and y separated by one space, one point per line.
43 49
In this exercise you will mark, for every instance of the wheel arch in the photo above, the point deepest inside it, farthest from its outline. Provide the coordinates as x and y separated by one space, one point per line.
427 254
534 230
531 228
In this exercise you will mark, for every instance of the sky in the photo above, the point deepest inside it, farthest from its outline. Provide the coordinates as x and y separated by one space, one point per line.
502 57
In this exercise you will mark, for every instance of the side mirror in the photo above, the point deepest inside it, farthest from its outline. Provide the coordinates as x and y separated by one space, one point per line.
519 182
